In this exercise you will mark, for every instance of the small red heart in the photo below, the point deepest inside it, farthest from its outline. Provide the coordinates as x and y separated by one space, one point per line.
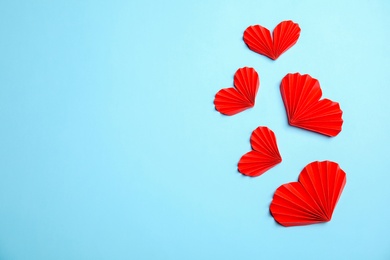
230 101
312 199
285 35
301 96
264 156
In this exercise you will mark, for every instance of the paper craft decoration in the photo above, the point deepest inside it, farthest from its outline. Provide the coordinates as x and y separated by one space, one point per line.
265 153
230 101
312 199
301 96
284 36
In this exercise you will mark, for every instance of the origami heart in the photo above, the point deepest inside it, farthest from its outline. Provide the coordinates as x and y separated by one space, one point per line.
230 101
301 96
285 35
312 199
265 153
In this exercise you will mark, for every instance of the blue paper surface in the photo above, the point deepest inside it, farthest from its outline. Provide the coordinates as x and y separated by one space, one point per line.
111 147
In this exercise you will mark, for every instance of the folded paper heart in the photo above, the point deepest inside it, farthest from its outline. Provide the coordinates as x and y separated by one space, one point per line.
230 101
312 199
285 35
301 96
265 153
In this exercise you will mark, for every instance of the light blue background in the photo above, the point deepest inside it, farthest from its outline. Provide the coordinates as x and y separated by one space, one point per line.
111 147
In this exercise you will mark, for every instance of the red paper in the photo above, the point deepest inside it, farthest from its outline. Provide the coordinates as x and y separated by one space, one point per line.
312 199
285 35
301 96
230 101
265 153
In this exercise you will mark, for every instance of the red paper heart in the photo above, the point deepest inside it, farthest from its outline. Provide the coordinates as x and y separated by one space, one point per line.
230 101
265 153
312 199
301 96
285 35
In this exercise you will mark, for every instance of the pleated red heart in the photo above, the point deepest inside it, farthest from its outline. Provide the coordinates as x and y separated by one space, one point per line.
312 199
264 154
301 96
230 101
285 35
